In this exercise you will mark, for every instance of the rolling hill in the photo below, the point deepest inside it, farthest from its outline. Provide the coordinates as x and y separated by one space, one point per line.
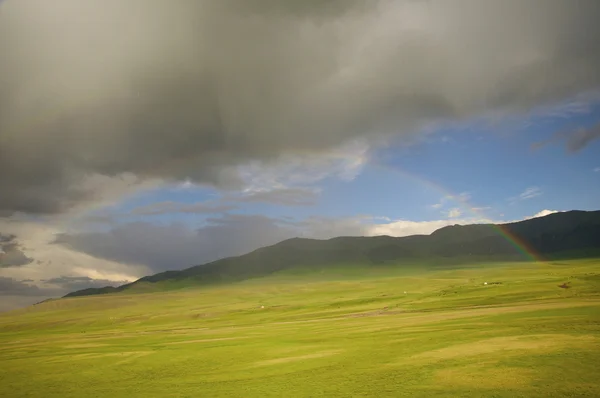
569 234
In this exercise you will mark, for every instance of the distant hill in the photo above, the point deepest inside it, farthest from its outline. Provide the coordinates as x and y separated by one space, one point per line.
568 234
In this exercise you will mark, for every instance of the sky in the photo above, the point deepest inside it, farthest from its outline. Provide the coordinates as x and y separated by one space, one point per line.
143 136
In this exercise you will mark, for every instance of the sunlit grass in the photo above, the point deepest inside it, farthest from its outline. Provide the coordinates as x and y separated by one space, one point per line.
349 331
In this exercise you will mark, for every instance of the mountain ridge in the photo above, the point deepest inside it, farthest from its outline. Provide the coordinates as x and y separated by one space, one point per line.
574 231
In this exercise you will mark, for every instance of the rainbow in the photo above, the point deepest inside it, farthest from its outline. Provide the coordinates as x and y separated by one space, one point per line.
478 215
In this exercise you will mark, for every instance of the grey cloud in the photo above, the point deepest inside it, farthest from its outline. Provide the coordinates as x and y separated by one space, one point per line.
188 89
7 238
16 294
283 196
576 138
280 196
580 138
72 283
9 302
99 219
174 207
10 252
175 246
537 145
10 286
330 227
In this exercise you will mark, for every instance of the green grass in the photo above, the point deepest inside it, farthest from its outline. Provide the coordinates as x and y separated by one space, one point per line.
347 332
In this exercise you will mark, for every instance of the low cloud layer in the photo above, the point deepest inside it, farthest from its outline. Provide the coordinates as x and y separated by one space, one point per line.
177 246
16 293
175 90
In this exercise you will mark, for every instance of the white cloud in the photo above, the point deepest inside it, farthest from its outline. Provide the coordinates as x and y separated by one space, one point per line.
455 212
329 227
407 228
462 198
527 194
543 213
186 184
530 192
597 170
307 169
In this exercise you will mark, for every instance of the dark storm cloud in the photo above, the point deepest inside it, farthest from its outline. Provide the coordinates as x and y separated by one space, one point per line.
186 89
10 252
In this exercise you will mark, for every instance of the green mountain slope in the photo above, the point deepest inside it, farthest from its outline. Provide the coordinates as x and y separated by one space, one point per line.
571 234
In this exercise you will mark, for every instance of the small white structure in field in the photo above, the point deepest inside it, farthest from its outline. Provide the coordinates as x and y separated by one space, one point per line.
262 306
404 292
485 283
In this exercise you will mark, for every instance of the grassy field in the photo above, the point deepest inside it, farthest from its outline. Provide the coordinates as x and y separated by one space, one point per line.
345 332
